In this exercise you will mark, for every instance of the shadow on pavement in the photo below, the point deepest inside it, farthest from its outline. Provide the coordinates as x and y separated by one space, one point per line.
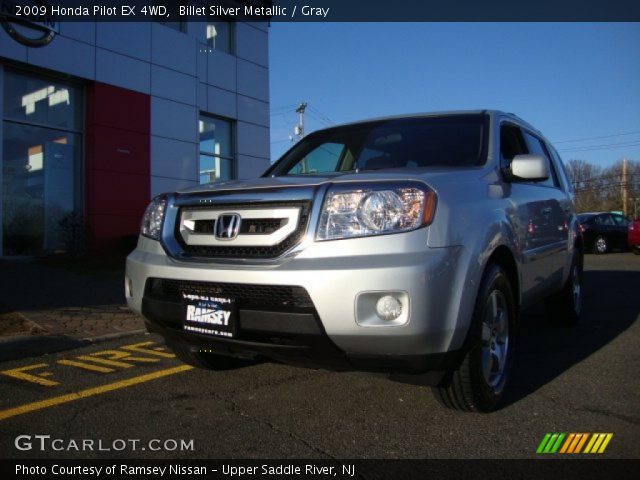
28 285
14 348
546 350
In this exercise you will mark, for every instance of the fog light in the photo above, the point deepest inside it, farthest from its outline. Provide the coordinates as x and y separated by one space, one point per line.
388 308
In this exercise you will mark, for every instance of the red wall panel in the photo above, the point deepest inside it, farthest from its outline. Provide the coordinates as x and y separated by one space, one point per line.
117 168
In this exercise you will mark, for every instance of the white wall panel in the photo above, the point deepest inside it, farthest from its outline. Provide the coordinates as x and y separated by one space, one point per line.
221 102
10 48
174 159
174 120
251 167
253 80
128 38
83 31
202 59
121 71
66 56
221 70
173 85
264 26
252 44
253 140
253 111
202 96
173 49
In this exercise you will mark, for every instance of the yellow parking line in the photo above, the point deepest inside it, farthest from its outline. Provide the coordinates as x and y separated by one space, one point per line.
86 366
90 392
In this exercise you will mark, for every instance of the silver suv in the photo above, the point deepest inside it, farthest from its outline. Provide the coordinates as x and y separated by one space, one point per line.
402 245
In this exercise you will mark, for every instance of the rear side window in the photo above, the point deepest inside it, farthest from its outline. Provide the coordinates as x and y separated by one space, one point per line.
620 220
561 166
605 220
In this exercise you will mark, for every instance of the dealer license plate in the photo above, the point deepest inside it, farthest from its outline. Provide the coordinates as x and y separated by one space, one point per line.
209 315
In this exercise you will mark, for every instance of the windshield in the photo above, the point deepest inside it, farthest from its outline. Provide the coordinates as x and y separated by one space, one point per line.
449 141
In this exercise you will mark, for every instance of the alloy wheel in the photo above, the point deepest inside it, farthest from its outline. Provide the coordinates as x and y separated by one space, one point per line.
495 341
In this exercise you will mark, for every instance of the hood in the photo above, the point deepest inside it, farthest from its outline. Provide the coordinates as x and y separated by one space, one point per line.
432 176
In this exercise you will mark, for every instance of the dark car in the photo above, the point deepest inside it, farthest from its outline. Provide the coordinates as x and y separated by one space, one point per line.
634 236
604 231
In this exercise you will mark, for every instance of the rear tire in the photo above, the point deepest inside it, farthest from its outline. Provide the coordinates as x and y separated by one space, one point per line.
566 306
600 245
479 383
205 360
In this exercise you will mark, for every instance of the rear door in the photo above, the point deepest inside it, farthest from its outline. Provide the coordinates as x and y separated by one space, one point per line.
607 228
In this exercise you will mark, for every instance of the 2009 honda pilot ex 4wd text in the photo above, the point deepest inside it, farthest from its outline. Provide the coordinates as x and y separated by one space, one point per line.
403 245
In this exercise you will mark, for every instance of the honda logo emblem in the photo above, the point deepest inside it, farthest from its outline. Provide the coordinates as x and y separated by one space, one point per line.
227 226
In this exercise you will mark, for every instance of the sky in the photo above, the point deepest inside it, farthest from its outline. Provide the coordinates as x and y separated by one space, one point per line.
572 81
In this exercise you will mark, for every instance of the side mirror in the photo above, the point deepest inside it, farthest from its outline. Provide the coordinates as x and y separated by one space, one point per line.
530 167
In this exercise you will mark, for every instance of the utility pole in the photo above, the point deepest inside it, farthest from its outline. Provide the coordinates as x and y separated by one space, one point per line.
625 186
299 128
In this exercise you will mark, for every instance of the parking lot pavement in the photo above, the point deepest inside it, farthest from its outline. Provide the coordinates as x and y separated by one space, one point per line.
568 379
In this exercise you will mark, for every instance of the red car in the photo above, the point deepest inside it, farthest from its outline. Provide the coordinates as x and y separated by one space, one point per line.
634 236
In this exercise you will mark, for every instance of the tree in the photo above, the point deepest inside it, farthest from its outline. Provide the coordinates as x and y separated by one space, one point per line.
612 195
585 178
598 189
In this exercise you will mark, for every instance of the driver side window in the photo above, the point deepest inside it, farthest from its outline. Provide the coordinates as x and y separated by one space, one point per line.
511 143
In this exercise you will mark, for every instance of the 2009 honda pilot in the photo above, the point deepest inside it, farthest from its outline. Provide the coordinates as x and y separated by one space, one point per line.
403 245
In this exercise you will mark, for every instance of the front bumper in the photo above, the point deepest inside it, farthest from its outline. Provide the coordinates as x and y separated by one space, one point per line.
333 274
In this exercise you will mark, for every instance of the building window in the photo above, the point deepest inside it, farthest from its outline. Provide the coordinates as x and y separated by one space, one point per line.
41 162
179 26
216 149
220 36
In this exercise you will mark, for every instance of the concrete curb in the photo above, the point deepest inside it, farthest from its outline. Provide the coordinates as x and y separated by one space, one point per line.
114 336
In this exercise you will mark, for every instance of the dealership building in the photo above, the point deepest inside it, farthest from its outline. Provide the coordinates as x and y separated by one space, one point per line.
99 117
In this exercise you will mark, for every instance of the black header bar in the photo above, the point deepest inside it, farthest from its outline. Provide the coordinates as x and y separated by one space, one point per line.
323 10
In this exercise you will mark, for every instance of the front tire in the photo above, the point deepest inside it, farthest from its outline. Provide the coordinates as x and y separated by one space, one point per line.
479 383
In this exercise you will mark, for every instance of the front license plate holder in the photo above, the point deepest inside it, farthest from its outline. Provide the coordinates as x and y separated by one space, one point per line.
209 315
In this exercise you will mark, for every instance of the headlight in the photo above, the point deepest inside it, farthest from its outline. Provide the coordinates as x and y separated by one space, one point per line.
374 210
153 217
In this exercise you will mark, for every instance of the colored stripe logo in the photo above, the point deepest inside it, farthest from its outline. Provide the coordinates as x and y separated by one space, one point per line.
573 443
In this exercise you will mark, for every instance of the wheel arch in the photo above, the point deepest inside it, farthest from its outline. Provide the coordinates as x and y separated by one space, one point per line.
504 258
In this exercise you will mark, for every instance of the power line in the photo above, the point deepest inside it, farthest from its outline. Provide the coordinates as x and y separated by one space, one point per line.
597 138
602 147
322 116
319 118
282 109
